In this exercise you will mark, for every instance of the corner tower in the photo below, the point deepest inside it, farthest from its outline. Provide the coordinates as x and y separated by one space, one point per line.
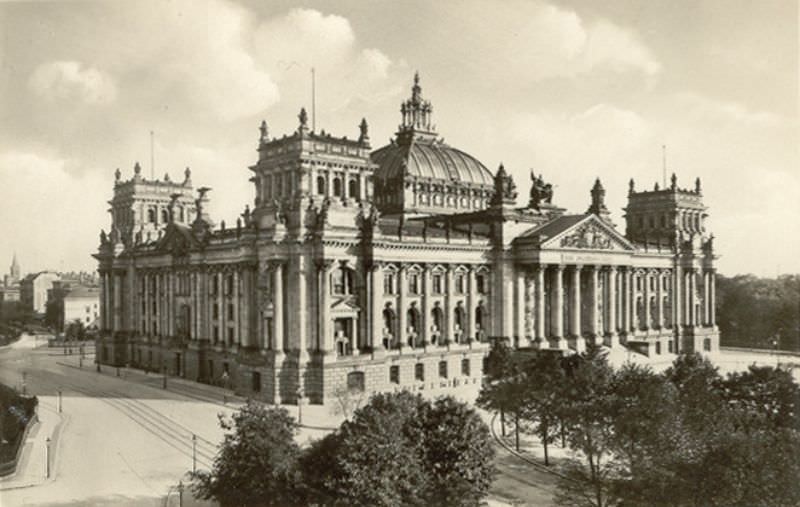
140 208
665 216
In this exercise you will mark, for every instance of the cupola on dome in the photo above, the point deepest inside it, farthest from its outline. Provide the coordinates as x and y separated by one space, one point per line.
418 173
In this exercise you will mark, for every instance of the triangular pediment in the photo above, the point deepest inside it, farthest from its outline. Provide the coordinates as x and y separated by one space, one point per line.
590 233
345 304
177 240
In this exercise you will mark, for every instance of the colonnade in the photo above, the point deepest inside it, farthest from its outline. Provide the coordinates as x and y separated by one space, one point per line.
563 305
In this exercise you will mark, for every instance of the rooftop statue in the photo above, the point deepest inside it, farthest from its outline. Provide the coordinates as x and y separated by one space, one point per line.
541 192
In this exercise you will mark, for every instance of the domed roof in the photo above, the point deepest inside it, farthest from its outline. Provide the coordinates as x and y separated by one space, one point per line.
429 160
417 152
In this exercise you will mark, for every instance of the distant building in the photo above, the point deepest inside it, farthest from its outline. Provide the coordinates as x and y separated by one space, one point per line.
392 269
81 304
34 290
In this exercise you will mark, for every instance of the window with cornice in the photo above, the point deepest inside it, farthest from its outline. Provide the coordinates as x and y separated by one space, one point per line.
342 281
436 282
388 283
413 283
460 283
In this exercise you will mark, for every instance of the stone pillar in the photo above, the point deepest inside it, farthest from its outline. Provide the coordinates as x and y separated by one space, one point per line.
558 308
278 342
324 327
107 322
472 303
594 333
519 329
712 304
540 337
575 309
530 309
426 305
402 307
706 298
659 300
646 298
612 338
376 307
677 300
692 297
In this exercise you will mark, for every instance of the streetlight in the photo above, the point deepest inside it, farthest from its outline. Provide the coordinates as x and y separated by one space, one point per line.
194 453
47 458
300 405
180 493
59 401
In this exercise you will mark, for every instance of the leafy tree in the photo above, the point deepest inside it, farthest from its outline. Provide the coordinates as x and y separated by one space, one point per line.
589 415
542 400
458 454
400 449
764 396
499 392
256 464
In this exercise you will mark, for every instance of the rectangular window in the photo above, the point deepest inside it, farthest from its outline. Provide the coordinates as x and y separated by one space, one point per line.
338 279
460 285
443 369
216 334
388 283
638 283
437 284
214 285
229 287
215 312
394 374
465 367
419 372
230 336
230 312
256 382
480 282
413 283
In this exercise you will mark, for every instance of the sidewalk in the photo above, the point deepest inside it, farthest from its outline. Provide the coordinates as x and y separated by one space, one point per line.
31 468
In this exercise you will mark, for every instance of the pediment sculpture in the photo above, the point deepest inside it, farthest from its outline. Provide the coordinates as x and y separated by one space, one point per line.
588 236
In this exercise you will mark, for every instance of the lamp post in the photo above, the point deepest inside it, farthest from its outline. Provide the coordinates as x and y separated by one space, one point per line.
194 453
47 458
180 493
59 401
299 405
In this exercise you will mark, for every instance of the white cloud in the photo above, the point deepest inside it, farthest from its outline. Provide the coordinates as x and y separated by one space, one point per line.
34 188
69 80
545 41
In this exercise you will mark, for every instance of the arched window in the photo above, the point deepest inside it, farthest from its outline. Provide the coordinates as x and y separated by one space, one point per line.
480 322
352 189
413 326
151 215
389 331
321 185
337 187
164 216
459 318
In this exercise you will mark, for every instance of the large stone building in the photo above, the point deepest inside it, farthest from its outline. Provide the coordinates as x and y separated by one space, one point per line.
391 269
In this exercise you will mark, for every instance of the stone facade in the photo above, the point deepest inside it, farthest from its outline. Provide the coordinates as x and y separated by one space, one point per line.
338 280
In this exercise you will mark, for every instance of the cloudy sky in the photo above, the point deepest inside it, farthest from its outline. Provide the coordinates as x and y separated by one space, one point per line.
573 89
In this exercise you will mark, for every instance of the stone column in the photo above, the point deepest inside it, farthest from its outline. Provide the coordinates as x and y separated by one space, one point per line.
612 338
376 308
530 309
426 304
540 337
692 294
677 300
107 323
237 321
712 304
402 307
660 300
472 303
278 343
117 301
594 333
558 313
520 306
706 298
646 299
324 328
575 309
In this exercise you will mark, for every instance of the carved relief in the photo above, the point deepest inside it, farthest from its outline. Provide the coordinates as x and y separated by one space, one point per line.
588 236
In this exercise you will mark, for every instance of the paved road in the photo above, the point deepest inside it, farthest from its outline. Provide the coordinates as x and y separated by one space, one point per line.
126 441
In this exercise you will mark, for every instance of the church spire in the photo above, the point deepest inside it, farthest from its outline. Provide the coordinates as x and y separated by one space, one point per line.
15 271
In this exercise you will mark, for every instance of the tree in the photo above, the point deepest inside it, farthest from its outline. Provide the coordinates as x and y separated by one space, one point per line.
499 393
541 398
257 461
348 399
763 396
400 449
458 454
588 412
